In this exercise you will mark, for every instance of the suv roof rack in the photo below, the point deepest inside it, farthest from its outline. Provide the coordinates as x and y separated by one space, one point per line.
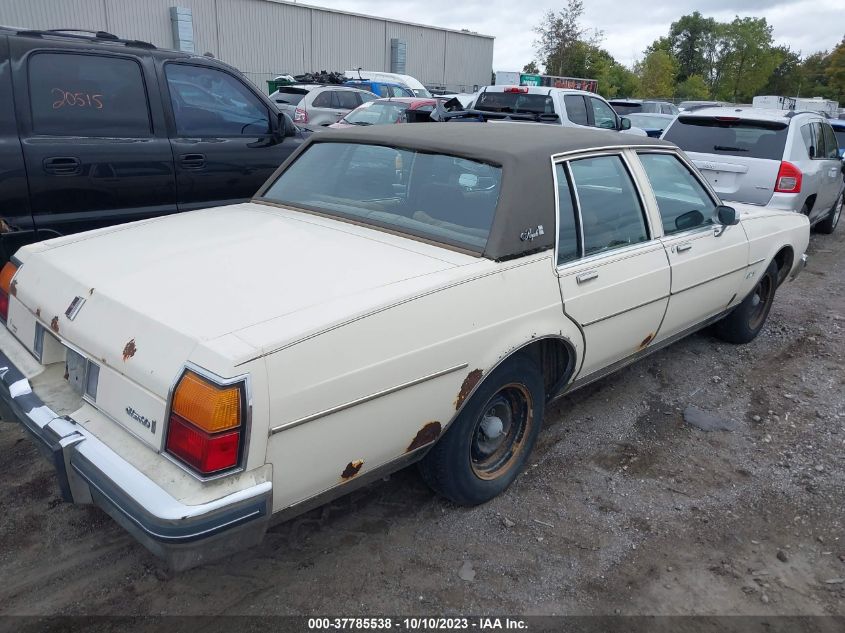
82 34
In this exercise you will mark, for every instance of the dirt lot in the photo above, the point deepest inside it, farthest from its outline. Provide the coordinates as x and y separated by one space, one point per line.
624 508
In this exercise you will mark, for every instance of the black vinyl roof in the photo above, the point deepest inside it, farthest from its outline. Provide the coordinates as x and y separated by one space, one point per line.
523 150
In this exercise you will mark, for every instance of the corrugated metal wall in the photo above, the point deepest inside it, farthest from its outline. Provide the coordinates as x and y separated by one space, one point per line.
264 38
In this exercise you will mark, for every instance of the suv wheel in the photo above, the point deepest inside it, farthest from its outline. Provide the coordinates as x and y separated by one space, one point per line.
828 225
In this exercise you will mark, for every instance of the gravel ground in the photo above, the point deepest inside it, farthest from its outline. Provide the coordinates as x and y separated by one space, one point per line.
624 508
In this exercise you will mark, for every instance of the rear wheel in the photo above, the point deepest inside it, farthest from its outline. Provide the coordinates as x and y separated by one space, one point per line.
828 225
488 444
748 318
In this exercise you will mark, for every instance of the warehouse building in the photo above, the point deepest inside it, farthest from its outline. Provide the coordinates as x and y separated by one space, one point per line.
265 38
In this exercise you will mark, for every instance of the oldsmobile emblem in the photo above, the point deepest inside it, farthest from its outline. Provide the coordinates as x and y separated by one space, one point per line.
150 424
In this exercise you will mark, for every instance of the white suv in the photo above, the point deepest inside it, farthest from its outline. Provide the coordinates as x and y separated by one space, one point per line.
572 108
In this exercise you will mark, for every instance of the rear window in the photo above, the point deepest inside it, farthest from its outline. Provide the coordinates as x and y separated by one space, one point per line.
515 102
289 95
707 135
627 108
435 196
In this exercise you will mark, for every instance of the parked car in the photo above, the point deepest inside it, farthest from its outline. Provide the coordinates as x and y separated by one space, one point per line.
406 81
95 130
318 104
777 158
420 301
380 88
652 124
571 108
639 106
388 111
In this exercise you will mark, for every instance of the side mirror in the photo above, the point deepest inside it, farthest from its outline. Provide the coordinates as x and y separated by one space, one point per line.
727 215
689 220
624 123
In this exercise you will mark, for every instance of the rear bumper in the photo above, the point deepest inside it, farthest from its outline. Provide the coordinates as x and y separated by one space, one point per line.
90 472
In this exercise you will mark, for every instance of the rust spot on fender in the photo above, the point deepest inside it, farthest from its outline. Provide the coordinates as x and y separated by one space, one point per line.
13 289
352 469
426 435
54 324
129 350
645 342
469 384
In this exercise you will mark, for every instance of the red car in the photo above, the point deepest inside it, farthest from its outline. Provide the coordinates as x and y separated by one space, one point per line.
385 111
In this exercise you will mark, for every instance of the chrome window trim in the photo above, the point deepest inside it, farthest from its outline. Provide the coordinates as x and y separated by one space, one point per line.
219 381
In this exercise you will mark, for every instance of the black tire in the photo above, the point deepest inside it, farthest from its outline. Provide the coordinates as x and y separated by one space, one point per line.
469 467
748 318
828 225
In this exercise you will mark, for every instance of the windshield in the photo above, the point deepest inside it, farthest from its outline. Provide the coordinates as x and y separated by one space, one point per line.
435 196
378 113
515 102
649 121
744 138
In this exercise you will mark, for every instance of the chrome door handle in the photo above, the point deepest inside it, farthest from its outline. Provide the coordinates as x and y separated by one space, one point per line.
587 276
683 247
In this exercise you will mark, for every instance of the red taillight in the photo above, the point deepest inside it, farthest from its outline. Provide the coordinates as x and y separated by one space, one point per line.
727 119
207 423
517 89
206 453
789 179
6 275
300 116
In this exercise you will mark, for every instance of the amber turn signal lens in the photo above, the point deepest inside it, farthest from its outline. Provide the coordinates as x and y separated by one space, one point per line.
205 405
6 275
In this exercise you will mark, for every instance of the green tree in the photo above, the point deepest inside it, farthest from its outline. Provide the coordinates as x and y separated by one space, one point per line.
689 40
694 88
785 79
814 78
564 46
746 58
531 68
657 74
836 73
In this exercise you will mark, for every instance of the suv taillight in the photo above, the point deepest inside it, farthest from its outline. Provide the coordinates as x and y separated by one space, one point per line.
789 179
300 116
6 275
523 89
207 424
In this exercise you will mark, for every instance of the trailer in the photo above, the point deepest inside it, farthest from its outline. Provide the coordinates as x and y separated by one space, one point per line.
814 104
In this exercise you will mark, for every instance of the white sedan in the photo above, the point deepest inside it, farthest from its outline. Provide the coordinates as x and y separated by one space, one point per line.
393 294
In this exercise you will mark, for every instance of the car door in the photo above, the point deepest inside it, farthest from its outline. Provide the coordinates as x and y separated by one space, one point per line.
601 114
708 260
95 146
613 272
576 109
223 143
833 167
325 108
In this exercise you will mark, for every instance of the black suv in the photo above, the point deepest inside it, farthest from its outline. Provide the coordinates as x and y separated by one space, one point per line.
96 130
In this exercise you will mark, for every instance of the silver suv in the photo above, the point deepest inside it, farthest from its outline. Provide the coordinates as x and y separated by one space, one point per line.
780 159
317 104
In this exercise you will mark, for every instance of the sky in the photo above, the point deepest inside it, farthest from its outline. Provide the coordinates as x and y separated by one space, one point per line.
629 27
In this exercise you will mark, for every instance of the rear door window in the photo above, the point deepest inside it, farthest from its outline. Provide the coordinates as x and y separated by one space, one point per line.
210 102
568 239
831 145
682 200
735 137
576 109
346 99
611 211
323 100
87 95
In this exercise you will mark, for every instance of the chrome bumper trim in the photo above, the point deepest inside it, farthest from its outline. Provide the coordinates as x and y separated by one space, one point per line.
802 264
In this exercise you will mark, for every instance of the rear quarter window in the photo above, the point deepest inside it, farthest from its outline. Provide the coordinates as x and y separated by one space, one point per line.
749 139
